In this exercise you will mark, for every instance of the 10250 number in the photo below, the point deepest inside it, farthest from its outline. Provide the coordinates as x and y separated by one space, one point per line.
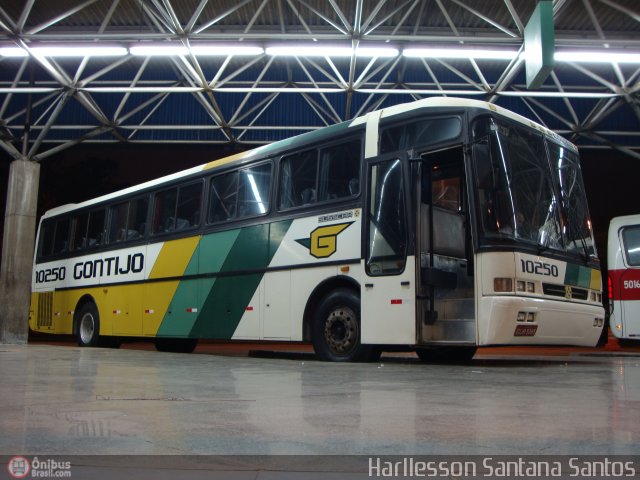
51 275
539 268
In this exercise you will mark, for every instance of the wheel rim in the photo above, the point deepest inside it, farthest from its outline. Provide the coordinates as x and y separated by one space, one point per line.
341 330
87 328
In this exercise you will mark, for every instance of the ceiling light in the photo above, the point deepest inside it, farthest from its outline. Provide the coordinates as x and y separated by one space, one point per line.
80 51
159 50
460 53
12 52
224 50
330 51
199 50
602 56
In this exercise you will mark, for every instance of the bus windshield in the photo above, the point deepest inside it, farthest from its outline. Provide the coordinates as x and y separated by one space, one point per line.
530 190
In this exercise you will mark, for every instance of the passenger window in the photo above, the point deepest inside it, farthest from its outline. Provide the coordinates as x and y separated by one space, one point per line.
164 211
177 209
96 231
79 231
118 222
631 240
339 171
223 193
307 177
253 191
298 179
46 238
61 240
137 223
189 203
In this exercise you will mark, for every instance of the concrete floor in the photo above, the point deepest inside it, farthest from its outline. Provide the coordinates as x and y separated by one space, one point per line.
64 400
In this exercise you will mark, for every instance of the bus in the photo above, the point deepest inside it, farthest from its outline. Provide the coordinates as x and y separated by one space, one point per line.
623 262
436 226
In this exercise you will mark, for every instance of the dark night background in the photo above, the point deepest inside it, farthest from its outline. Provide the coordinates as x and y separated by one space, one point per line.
87 171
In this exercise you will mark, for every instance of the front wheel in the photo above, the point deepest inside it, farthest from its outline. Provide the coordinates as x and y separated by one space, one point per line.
88 330
336 329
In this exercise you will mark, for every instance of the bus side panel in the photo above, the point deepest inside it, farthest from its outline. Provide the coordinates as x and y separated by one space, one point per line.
163 299
123 309
625 289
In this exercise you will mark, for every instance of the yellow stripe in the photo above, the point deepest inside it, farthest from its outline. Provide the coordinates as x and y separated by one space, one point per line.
174 257
157 296
172 262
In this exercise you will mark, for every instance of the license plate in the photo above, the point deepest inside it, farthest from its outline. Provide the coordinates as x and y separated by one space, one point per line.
525 330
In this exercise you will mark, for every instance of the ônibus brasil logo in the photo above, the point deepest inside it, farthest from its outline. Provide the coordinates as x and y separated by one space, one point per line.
18 467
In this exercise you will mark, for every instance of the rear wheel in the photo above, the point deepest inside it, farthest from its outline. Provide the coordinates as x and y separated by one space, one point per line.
88 329
446 354
336 329
176 345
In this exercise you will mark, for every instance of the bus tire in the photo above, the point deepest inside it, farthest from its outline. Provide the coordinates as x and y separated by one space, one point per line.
336 329
462 354
176 345
88 330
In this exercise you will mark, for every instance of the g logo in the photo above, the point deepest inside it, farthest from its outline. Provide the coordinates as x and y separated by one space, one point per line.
323 241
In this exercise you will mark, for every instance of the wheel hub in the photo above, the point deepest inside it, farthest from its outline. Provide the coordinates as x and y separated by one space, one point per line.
341 330
87 326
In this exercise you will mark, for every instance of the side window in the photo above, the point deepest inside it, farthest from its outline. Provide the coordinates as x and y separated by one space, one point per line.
177 208
339 171
631 245
189 203
427 131
61 239
312 176
137 223
47 231
164 211
387 249
298 179
79 231
253 190
96 232
223 193
118 222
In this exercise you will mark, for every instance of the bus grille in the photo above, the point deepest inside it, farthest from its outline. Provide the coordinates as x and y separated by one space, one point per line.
45 309
561 291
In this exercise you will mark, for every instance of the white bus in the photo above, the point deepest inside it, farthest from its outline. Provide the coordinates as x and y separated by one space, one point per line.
623 259
436 226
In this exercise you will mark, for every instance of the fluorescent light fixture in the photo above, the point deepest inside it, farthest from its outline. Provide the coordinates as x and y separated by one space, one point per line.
66 51
199 50
477 54
602 56
224 50
329 51
156 50
12 52
80 51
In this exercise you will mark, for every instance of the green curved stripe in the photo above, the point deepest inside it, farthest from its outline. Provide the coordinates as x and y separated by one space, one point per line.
221 301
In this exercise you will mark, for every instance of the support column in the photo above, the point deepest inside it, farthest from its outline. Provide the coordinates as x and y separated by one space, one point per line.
17 251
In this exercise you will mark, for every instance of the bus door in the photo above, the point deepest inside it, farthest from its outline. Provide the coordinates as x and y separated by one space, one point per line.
388 286
444 260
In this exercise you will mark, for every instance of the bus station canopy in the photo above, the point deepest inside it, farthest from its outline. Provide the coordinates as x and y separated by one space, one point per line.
248 72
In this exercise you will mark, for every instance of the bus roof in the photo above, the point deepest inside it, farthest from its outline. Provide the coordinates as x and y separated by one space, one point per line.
305 138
